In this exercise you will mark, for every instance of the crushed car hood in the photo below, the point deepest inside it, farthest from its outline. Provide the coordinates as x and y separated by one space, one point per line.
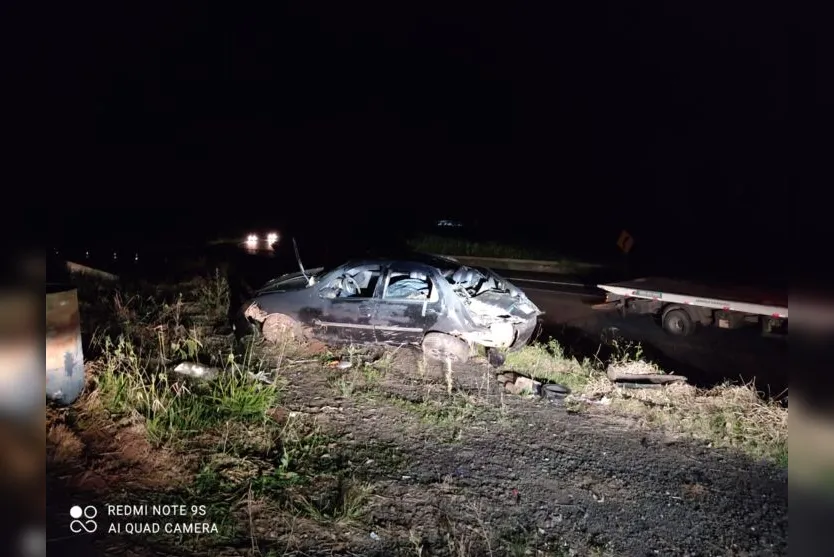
495 304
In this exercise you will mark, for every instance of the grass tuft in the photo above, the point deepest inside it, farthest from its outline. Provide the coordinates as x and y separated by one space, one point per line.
548 363
173 407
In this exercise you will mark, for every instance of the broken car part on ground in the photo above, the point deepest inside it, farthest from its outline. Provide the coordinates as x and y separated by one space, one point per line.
435 302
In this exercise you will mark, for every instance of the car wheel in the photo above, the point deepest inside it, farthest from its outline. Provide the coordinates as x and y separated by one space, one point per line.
278 328
441 347
677 322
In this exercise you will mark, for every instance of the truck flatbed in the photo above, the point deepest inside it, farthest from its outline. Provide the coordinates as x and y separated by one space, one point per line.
751 301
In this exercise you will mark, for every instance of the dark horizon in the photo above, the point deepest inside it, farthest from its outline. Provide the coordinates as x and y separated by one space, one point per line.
557 128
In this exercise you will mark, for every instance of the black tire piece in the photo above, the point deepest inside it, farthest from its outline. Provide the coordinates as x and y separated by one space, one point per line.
439 347
677 322
495 357
554 391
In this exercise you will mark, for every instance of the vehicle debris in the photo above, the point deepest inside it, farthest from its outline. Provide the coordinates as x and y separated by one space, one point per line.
554 391
640 372
340 364
197 371
435 302
517 384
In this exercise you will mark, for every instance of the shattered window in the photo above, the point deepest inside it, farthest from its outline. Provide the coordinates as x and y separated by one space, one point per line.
411 285
359 282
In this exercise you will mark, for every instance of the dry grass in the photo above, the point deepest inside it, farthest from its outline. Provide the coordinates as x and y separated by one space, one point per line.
725 416
728 415
548 363
141 433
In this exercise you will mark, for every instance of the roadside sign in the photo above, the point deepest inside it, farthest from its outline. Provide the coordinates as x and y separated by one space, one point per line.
625 242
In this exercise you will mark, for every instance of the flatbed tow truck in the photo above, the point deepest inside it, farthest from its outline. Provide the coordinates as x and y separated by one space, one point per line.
681 306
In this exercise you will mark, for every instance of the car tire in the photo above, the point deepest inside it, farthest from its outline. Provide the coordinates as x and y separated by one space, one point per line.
441 347
280 329
678 322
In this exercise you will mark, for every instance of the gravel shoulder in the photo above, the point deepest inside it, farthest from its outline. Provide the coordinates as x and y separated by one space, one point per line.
527 474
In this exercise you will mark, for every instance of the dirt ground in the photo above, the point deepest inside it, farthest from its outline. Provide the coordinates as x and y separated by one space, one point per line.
531 475
475 473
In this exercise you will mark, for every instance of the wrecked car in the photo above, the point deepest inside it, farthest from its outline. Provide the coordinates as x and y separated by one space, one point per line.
447 308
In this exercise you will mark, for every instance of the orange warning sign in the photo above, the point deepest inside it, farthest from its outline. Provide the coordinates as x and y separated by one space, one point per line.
625 242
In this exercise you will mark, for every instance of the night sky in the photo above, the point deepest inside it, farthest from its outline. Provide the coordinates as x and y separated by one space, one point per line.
557 125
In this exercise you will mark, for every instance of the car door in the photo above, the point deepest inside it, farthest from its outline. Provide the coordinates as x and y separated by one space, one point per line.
346 313
409 303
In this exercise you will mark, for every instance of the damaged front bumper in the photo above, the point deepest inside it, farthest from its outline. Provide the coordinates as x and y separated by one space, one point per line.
503 335
524 334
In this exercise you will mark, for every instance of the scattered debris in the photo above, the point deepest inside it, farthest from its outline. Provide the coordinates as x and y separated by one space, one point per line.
197 371
627 385
554 391
640 372
519 384
604 401
340 364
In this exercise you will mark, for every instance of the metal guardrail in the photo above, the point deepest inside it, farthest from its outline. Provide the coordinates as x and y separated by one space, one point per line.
73 267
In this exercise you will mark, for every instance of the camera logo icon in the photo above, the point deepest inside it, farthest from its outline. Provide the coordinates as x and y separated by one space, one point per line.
83 519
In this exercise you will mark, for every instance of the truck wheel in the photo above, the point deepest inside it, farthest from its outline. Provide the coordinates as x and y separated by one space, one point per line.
677 322
441 347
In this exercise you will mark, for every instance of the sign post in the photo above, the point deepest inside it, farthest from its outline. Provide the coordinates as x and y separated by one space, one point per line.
625 243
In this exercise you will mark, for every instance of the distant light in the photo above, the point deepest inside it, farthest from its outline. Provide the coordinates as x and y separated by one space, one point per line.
252 239
449 223
87 254
271 238
136 257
